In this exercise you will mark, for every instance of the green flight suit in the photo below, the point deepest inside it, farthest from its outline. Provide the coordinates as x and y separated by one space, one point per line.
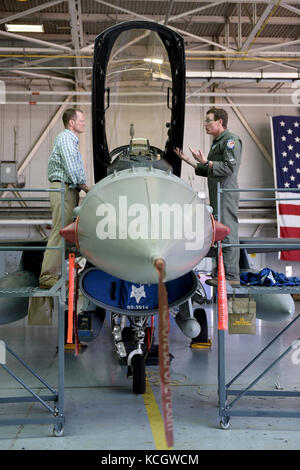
225 152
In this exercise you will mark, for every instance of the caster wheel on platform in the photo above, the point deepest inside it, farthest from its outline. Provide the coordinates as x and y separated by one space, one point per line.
224 423
139 374
58 431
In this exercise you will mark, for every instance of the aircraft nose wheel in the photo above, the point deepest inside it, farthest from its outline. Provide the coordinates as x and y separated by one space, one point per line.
138 374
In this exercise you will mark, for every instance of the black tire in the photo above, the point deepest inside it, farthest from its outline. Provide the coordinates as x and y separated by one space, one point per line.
200 316
127 334
139 374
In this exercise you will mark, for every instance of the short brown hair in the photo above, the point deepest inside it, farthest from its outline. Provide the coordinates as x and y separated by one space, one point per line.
219 113
69 114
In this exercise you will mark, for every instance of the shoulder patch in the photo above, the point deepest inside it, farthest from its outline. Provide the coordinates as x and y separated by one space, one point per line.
230 143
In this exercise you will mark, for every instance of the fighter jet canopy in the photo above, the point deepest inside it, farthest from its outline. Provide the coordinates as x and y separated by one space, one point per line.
138 95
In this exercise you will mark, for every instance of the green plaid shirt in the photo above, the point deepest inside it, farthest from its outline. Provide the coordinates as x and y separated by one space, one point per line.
65 162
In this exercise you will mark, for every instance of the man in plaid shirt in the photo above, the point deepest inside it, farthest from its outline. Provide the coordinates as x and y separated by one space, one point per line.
65 165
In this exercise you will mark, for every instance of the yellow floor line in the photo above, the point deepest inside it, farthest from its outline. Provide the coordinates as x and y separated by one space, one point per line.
155 419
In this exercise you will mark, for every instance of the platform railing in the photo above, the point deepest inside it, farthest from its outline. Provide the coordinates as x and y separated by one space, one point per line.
58 291
226 408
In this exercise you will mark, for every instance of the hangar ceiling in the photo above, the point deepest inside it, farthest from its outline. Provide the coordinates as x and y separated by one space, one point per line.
224 40
245 52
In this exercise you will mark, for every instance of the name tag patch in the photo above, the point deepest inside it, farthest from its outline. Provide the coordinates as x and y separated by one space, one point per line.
230 144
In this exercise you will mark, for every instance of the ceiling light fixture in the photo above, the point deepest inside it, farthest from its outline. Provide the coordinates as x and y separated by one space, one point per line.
24 28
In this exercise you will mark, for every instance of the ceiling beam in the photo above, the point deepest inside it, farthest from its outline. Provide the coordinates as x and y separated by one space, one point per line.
124 10
242 75
30 50
221 1
271 46
202 19
259 54
257 27
192 12
34 40
196 2
29 11
290 8
170 6
260 40
41 75
91 38
201 39
77 39
147 18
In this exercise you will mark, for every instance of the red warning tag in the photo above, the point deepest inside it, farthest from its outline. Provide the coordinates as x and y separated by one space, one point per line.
164 356
222 295
71 297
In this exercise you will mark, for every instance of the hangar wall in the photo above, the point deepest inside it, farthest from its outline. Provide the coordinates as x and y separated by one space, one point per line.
22 124
255 171
30 121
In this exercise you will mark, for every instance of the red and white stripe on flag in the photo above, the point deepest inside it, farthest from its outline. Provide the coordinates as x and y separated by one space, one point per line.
285 132
288 219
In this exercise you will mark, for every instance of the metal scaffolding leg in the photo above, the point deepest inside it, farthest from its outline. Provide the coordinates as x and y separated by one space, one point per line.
58 427
58 291
221 379
226 408
57 397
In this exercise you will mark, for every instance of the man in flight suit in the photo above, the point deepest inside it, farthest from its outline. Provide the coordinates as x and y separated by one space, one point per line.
221 165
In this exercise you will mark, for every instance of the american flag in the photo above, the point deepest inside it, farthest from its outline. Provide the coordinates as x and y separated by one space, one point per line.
286 157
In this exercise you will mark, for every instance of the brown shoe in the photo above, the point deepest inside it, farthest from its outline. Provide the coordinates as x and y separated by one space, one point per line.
214 282
48 284
234 282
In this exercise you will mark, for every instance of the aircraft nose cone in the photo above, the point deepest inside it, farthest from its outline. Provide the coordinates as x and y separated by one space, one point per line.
135 216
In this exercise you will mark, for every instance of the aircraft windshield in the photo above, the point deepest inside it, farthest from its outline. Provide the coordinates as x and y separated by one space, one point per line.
140 87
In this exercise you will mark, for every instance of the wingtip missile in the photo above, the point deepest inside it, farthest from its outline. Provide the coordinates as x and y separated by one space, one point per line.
220 231
69 232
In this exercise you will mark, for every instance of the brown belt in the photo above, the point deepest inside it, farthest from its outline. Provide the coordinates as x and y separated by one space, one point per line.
58 181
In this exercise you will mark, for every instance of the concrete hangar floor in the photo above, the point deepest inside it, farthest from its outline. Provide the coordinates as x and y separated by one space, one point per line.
102 412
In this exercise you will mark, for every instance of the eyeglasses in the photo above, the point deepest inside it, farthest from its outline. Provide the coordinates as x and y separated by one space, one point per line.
208 120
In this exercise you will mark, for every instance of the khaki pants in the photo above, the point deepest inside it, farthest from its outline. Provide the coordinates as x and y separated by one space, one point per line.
51 267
